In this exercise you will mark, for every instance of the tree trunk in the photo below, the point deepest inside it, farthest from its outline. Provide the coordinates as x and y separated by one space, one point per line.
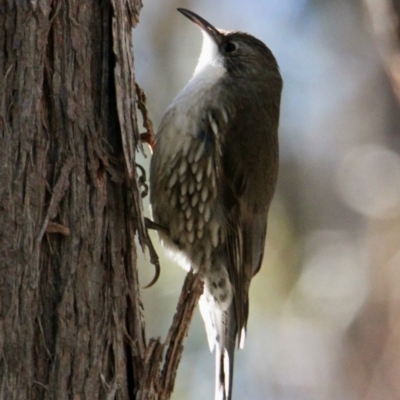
70 205
71 325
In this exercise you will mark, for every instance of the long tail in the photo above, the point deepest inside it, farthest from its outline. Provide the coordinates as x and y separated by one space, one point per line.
221 331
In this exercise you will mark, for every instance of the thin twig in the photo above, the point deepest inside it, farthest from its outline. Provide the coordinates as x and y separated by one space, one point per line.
191 292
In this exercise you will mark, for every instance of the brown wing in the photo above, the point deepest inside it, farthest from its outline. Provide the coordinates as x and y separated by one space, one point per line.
249 170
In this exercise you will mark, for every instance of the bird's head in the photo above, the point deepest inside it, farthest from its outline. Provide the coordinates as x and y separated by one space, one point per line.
241 54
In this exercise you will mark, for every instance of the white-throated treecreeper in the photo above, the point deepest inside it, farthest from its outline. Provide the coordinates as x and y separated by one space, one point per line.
213 176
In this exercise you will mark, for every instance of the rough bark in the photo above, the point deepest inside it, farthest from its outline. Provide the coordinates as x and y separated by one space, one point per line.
71 325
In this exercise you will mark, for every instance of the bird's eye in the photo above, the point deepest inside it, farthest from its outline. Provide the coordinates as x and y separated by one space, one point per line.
230 47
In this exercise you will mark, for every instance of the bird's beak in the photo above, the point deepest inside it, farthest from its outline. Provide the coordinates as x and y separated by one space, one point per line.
203 24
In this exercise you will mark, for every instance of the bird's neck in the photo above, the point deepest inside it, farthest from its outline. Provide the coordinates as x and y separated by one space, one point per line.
202 84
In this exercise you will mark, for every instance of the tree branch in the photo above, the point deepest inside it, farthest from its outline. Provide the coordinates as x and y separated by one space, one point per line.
161 381
191 292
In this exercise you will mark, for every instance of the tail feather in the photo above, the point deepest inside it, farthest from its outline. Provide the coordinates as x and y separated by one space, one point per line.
221 328
224 358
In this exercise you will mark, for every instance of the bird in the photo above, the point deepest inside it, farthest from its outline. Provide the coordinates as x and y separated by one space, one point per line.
213 175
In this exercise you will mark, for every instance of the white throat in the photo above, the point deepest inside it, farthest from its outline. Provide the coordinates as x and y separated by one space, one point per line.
208 72
209 56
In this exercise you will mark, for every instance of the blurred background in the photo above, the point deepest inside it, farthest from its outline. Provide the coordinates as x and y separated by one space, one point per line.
324 309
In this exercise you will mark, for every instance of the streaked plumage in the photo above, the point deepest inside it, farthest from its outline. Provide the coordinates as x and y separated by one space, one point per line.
213 175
